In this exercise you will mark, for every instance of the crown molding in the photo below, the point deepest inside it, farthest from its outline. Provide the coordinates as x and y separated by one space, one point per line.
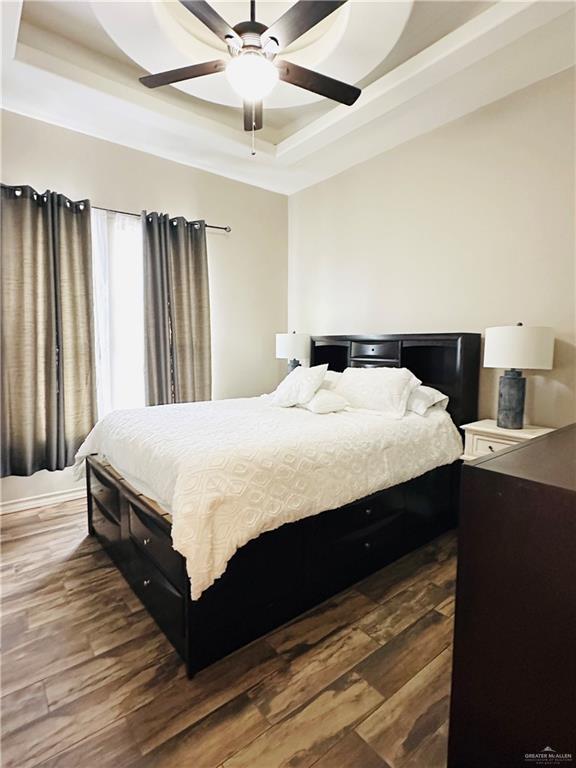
505 48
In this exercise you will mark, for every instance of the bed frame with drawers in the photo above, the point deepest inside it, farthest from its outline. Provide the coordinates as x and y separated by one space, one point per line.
283 573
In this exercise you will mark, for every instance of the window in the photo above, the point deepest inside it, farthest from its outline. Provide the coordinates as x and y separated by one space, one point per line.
117 263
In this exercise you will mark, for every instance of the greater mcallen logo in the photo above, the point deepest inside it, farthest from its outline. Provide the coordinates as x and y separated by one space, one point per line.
548 756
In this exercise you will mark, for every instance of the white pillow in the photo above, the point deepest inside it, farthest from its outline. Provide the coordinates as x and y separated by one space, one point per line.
325 401
424 397
299 386
330 380
378 389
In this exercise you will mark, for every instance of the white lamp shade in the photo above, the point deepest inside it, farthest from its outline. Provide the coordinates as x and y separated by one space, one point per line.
519 346
292 346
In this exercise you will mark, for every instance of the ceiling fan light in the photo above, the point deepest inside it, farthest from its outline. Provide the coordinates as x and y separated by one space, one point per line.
252 76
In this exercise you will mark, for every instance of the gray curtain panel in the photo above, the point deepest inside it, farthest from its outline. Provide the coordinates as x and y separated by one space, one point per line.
47 355
177 310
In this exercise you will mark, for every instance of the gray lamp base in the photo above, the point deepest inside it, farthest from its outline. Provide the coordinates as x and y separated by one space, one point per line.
511 396
293 364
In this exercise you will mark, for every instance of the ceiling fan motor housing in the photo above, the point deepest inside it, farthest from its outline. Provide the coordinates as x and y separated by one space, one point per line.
251 33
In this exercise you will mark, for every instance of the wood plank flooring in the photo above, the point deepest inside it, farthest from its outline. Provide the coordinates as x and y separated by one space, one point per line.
88 680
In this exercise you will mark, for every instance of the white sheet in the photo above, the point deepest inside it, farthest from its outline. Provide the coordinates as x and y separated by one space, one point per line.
230 470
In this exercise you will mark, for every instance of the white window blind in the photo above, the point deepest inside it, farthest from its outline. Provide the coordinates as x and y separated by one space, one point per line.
117 262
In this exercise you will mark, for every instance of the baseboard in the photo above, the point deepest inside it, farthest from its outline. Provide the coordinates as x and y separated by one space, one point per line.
42 500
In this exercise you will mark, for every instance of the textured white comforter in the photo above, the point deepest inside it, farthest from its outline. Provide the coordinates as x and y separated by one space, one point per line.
230 470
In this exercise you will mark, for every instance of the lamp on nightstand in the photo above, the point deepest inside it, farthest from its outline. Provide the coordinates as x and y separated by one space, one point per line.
515 347
293 347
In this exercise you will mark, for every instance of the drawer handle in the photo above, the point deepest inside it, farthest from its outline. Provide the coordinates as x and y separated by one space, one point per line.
146 582
366 545
368 511
491 449
146 542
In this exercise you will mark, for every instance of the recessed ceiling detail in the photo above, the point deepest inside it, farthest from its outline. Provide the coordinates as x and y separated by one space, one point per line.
347 45
59 65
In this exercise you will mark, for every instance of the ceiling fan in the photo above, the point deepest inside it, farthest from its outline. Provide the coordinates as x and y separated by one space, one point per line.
253 70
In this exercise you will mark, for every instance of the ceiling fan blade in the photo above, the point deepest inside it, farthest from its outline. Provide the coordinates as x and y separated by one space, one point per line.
184 73
317 83
208 16
253 115
298 19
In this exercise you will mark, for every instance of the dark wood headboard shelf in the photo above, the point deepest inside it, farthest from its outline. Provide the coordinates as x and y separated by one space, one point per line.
446 361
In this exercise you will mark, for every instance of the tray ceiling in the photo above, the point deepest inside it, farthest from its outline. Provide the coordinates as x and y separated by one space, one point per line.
59 56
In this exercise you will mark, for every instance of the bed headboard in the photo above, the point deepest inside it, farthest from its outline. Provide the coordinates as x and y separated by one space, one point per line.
449 362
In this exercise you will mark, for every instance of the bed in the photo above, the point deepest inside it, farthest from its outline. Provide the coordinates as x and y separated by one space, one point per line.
273 510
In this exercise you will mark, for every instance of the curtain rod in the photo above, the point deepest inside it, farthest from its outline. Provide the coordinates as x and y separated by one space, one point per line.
129 213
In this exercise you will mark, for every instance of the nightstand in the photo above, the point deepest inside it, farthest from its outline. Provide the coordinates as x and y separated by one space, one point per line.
485 437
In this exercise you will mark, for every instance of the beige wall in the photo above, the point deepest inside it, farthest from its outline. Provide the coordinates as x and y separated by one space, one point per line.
466 227
247 268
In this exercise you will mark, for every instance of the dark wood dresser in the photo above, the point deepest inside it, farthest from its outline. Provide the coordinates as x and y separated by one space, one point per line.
514 677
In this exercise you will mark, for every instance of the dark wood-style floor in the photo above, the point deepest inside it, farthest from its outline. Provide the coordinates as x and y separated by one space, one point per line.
88 680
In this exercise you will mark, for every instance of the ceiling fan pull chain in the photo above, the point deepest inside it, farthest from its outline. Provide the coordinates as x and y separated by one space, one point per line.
253 149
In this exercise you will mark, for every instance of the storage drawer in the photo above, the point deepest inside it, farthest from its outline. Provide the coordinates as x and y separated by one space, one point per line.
156 543
365 363
361 516
165 603
338 562
482 445
105 525
389 350
103 489
367 543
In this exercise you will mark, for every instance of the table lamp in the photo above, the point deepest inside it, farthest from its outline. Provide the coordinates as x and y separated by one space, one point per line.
293 347
515 347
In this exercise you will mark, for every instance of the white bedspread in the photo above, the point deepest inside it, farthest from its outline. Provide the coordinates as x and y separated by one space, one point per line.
230 470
